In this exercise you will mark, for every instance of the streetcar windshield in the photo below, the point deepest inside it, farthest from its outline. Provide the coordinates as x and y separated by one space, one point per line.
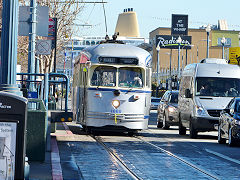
104 76
130 77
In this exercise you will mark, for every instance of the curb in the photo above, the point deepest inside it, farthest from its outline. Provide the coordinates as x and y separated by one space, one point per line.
55 158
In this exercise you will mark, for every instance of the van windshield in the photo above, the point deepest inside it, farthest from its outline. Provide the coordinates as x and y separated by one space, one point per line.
218 87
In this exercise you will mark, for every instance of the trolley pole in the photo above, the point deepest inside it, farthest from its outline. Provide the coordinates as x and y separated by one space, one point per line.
8 62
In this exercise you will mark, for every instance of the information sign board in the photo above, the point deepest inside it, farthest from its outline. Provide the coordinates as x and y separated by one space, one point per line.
8 132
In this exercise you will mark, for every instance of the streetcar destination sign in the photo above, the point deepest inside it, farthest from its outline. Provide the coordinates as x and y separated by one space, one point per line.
170 42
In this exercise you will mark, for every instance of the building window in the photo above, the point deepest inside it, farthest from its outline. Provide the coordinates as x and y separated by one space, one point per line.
228 42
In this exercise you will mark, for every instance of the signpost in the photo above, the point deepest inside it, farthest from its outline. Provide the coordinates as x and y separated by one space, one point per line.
179 24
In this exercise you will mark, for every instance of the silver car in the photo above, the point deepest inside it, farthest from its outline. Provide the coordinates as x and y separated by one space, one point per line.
168 110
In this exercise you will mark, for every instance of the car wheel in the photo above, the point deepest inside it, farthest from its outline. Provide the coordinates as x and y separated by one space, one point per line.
193 131
181 129
231 139
220 139
165 125
159 124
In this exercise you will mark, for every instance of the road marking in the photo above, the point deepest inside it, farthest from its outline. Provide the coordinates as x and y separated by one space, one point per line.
223 156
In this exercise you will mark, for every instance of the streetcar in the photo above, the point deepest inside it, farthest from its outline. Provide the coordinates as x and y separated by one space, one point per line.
112 87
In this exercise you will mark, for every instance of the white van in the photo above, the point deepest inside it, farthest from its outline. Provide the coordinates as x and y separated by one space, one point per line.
205 89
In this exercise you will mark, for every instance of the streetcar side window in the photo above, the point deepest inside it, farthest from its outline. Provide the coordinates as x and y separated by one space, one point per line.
104 76
130 77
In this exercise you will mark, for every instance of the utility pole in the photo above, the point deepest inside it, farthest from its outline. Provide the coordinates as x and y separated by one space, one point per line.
8 62
32 41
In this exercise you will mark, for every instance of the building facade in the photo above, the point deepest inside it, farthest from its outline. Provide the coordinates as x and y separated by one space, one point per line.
198 49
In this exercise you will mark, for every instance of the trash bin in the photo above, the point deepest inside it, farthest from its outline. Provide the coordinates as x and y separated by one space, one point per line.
13 117
36 130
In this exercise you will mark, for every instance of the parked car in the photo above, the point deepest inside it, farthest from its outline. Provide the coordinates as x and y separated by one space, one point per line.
154 103
229 123
168 110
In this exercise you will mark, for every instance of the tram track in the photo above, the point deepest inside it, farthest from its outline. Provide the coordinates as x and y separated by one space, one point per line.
133 174
178 158
117 158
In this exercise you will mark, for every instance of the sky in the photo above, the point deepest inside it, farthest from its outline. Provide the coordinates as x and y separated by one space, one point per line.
157 13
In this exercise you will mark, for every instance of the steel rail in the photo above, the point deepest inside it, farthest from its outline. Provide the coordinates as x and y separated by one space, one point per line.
118 159
178 158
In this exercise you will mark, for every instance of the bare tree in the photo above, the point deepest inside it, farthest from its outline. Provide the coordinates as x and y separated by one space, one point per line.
65 12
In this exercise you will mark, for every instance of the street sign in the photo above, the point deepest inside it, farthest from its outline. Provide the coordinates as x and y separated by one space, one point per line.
43 47
52 31
234 55
179 24
42 21
170 42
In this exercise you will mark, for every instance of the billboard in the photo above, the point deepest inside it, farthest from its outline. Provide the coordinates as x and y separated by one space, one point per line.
179 24
170 42
234 55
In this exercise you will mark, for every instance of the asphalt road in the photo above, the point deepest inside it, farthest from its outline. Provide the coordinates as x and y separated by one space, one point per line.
152 154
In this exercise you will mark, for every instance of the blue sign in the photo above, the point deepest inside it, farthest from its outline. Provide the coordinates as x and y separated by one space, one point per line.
32 95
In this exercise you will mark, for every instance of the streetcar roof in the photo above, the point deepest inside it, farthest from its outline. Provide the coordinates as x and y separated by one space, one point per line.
119 50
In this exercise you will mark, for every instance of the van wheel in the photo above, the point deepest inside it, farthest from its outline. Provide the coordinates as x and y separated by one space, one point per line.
193 131
220 139
231 139
181 129
165 125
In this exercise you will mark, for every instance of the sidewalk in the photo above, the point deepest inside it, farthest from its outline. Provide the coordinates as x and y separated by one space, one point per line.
51 167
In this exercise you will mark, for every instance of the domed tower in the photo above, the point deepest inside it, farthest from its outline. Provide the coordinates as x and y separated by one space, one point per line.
127 24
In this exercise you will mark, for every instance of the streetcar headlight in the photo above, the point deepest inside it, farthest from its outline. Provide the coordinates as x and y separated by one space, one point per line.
116 103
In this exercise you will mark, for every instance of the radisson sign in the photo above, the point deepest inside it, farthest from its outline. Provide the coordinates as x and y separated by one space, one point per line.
170 42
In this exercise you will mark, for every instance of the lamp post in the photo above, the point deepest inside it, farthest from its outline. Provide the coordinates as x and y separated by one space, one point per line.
179 41
208 29
223 41
158 49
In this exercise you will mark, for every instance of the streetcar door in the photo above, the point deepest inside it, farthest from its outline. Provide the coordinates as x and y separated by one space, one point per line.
84 97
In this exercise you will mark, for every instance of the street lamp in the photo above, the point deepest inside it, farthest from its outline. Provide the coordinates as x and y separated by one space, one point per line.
208 29
158 49
223 41
170 70
179 41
